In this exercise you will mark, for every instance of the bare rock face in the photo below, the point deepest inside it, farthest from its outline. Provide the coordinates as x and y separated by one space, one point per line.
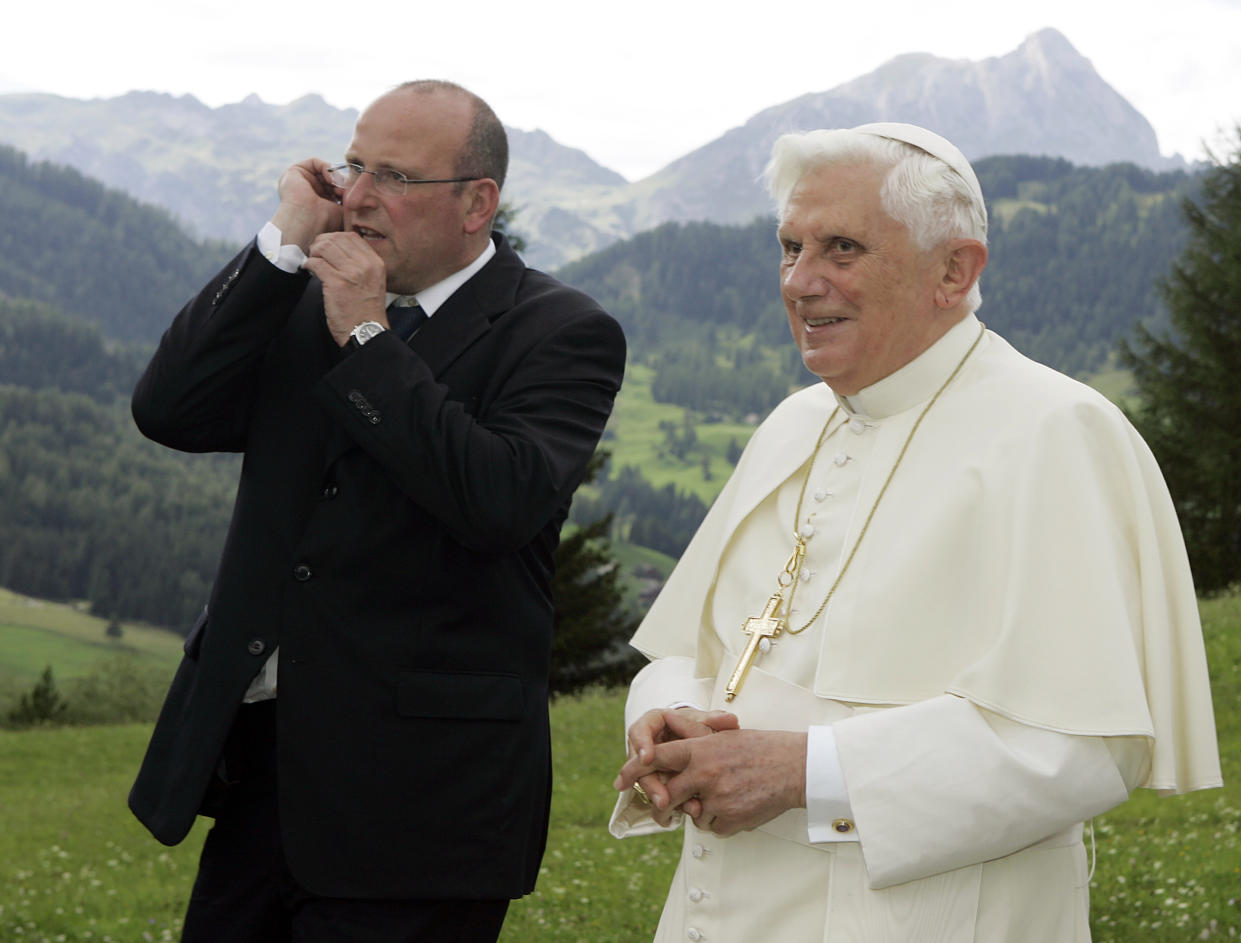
1044 98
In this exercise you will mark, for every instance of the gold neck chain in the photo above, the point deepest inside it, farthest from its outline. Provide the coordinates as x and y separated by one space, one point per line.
792 570
772 623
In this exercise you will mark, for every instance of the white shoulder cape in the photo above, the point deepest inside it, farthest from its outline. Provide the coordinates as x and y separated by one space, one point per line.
1026 556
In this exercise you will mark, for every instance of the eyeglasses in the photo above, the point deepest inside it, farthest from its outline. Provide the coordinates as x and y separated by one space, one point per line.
387 181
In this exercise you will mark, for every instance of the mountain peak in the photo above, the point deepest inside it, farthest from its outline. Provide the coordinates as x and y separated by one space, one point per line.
1050 55
1051 43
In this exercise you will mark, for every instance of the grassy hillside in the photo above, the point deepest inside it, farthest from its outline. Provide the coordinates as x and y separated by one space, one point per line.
639 440
35 634
75 866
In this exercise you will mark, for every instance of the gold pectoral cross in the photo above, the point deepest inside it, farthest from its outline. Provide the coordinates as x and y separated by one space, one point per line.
766 626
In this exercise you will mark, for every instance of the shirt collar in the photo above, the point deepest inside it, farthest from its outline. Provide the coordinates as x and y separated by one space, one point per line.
917 381
431 298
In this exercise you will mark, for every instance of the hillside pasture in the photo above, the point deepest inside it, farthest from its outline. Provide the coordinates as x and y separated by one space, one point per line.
75 866
35 633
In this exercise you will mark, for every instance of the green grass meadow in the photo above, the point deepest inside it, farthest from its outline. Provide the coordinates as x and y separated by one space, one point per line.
74 865
35 634
639 441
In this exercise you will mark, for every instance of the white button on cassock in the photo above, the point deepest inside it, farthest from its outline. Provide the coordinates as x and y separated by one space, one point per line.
695 894
694 933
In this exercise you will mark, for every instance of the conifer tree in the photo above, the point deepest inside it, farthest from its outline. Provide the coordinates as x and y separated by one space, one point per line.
1190 382
503 223
41 705
592 620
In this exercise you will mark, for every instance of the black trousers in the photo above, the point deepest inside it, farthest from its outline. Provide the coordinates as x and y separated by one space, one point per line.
245 893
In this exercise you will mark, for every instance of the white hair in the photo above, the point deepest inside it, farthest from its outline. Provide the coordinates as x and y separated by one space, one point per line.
919 191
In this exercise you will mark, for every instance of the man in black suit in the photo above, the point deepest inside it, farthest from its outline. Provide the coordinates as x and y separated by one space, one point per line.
363 705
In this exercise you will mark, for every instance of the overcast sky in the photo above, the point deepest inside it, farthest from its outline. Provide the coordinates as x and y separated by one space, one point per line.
635 83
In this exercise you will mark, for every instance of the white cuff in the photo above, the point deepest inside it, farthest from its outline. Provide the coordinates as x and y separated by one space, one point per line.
287 258
664 683
632 817
829 815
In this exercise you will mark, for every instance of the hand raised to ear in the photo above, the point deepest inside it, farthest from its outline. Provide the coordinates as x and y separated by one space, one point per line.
309 204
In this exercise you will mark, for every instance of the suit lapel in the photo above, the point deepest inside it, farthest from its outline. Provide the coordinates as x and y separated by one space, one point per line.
454 327
469 312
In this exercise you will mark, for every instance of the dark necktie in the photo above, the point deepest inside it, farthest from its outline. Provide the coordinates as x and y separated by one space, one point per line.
405 319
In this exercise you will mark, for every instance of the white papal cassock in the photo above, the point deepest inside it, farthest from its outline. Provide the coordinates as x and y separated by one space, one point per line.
1014 647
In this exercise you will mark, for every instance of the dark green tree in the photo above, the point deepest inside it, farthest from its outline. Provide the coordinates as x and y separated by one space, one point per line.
503 223
1190 381
593 621
43 704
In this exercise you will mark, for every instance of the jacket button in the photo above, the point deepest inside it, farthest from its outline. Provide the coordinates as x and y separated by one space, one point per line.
257 646
330 491
301 573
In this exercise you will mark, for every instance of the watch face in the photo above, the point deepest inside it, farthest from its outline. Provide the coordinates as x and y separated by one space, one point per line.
366 330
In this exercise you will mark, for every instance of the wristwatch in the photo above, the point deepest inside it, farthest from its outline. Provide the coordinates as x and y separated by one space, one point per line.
364 332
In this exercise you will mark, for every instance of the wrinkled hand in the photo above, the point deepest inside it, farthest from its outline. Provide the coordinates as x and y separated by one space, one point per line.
354 281
661 726
309 204
727 783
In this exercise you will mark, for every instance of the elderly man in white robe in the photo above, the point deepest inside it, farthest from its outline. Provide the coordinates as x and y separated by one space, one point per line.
940 616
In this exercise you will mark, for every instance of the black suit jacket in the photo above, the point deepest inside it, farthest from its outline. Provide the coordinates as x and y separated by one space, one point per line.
393 533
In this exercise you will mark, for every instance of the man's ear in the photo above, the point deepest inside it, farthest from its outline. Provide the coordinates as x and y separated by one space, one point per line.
482 201
963 264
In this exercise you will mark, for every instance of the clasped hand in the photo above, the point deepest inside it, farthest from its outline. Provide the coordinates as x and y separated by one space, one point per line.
724 778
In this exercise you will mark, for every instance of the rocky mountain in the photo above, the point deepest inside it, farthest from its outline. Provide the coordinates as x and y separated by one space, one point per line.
1042 99
215 169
